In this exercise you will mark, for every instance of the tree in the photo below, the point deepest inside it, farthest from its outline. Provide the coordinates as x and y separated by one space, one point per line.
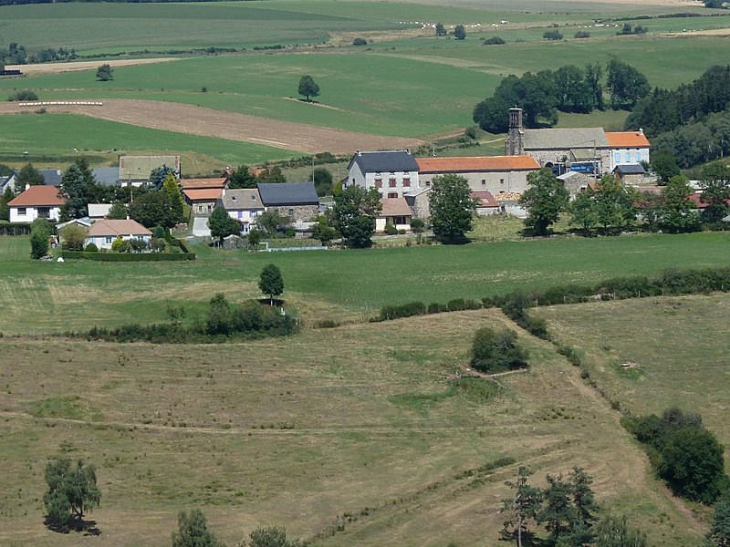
719 533
118 211
558 515
714 3
545 198
614 204
460 32
584 499
72 491
494 351
159 175
354 213
523 506
28 176
171 188
615 532
241 178
40 230
594 76
664 165
583 211
359 41
271 173
77 184
322 230
152 208
452 208
574 91
552 35
440 30
193 531
222 225
269 222
715 184
677 214
73 237
308 87
626 84
322 179
105 73
271 282
270 536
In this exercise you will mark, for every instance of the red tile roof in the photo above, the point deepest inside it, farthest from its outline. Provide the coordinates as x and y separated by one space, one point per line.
485 198
627 139
38 196
110 227
395 207
202 183
204 194
476 164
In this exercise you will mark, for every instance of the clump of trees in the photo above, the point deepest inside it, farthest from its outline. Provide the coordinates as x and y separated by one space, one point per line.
497 351
452 208
72 492
354 213
23 95
611 206
628 29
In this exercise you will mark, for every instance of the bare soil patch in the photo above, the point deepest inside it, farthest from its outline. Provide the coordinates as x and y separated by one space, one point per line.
196 120
74 66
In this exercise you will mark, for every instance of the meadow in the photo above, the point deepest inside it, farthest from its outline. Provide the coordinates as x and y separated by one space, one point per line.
338 285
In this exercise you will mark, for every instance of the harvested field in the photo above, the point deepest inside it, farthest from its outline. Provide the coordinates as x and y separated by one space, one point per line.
57 68
196 120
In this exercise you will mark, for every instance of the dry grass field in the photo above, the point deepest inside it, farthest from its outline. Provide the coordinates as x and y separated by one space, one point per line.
359 420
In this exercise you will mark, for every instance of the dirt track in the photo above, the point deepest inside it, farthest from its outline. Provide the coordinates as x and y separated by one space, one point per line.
196 120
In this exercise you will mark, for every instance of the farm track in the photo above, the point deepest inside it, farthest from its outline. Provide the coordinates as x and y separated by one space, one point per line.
196 120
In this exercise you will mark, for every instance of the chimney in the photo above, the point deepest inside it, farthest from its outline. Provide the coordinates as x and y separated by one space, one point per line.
359 153
641 130
27 186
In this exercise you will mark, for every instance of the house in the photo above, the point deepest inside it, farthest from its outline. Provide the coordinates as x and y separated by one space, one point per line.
629 174
487 205
419 203
135 170
393 172
627 148
36 202
106 176
576 182
201 184
296 201
244 205
495 174
202 200
99 210
103 232
394 211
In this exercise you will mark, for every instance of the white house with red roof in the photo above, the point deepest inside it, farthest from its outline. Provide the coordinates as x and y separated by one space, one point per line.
627 148
394 211
103 232
37 202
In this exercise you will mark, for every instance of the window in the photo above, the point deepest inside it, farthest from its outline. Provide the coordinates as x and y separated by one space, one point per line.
393 195
399 220
291 213
501 181
428 183
108 240
617 157
21 211
484 182
378 183
406 182
391 182
44 212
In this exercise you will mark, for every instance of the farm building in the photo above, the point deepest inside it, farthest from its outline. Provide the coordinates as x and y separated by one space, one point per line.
296 201
487 205
393 172
495 174
244 205
629 174
135 170
396 212
103 232
36 202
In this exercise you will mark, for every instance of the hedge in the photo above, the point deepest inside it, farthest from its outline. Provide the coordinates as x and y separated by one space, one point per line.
127 257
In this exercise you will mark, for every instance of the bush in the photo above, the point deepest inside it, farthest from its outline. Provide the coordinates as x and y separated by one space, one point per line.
390 229
24 95
127 257
494 41
92 248
582 34
496 351
552 35
417 225
404 310
359 42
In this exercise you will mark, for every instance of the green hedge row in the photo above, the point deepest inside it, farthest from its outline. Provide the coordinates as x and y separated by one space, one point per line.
128 257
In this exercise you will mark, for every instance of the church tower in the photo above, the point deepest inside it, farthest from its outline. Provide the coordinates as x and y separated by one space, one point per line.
515 146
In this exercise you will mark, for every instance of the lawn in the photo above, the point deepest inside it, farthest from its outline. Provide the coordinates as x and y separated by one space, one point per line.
339 285
356 425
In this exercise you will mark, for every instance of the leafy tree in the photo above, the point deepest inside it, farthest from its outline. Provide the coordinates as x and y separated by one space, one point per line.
308 87
359 42
715 184
626 84
72 491
460 32
171 188
719 533
354 213
222 225
523 505
269 222
254 238
574 91
270 536
614 204
271 173
676 213
271 282
193 531
452 208
440 30
118 211
105 73
74 237
159 175
241 178
615 532
492 114
322 179
322 230
494 351
664 165
594 77
28 175
545 198
152 208
219 315
7 197
77 184
583 211
552 35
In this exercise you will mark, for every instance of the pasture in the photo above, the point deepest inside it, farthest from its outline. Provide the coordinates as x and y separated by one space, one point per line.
356 426
348 285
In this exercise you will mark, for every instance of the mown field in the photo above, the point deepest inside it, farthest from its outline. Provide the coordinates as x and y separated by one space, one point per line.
337 285
357 425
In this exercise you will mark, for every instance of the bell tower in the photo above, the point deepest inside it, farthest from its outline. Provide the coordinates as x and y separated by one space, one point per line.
514 138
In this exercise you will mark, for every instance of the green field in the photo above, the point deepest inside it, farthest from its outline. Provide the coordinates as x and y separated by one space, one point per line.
339 285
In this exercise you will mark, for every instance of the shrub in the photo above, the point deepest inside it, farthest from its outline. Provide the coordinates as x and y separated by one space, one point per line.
456 304
417 225
494 351
92 248
435 307
390 229
494 41
404 310
552 35
582 34
359 42
23 95
120 245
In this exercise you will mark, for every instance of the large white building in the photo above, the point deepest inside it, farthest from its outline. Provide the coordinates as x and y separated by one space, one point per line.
394 173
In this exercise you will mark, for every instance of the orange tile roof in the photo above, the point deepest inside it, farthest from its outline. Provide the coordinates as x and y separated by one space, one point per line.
111 227
36 196
395 207
204 194
480 163
202 183
627 139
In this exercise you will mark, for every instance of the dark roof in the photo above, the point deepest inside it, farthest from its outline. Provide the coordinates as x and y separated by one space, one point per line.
106 176
630 169
51 177
288 193
385 161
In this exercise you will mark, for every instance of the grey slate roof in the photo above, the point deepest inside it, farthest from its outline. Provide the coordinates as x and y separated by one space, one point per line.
243 198
51 177
547 139
630 169
384 162
288 193
106 176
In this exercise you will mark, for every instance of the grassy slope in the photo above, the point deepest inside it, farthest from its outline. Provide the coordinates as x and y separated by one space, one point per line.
298 431
337 284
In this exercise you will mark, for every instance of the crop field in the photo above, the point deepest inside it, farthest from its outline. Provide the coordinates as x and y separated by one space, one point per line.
656 353
357 426
338 285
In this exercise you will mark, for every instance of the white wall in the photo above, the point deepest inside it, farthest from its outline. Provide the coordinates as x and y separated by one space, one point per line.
31 213
246 217
368 181
490 181
105 242
626 156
